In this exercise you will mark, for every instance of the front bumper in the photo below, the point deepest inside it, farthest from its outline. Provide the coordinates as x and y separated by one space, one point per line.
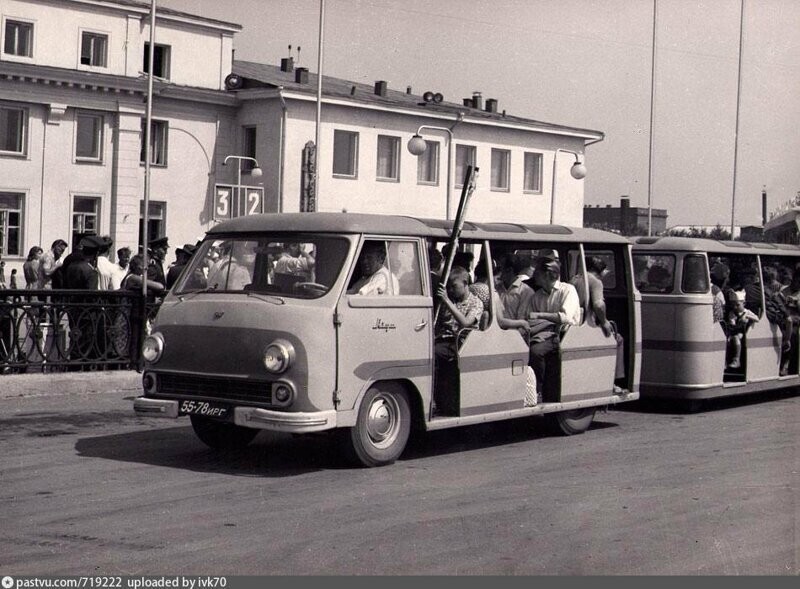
252 417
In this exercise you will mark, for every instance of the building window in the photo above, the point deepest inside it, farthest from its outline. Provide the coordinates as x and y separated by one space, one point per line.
89 137
156 222
13 130
94 49
248 147
18 38
84 218
532 180
158 143
465 156
10 224
500 166
388 167
160 60
428 164
345 154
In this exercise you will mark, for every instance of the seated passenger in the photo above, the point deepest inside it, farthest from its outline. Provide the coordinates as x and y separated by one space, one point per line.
515 293
554 306
789 298
295 261
659 279
460 308
738 320
375 277
233 273
719 282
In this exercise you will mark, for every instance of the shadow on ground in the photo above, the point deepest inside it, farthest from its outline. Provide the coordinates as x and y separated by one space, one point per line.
684 406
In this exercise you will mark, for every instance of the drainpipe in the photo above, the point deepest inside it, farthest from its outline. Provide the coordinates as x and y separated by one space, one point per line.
282 149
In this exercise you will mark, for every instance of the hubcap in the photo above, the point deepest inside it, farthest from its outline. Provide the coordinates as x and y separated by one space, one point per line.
383 420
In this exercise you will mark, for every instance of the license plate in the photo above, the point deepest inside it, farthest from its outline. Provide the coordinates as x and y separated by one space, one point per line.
203 408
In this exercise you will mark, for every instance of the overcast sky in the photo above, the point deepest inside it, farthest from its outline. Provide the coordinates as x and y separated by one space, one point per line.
584 63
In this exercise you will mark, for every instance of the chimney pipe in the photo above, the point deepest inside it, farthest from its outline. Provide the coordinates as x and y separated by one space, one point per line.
491 105
477 100
624 206
763 207
287 64
380 88
468 102
301 75
408 90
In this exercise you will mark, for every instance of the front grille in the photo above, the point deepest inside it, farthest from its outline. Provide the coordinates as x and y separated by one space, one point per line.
228 389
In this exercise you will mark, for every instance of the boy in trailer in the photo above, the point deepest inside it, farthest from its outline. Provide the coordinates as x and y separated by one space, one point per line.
737 321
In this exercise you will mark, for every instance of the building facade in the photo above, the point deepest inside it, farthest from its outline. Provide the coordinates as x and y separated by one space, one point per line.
73 91
624 219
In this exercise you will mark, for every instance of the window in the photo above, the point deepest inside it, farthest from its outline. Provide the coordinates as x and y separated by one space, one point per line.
89 137
13 130
695 274
532 180
345 154
84 218
465 156
428 164
403 264
94 49
500 166
388 158
158 143
160 60
18 39
248 147
156 222
10 224
654 273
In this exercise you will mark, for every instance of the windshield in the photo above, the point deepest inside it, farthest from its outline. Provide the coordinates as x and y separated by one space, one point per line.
299 266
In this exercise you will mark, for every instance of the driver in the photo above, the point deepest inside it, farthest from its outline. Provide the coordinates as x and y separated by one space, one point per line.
375 277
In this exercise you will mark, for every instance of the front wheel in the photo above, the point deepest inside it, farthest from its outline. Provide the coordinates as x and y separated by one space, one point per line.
570 423
382 429
220 435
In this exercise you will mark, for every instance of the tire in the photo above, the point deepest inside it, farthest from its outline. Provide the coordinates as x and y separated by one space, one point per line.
570 423
220 435
382 428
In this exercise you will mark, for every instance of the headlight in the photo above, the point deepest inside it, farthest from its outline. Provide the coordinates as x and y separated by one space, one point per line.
153 347
278 356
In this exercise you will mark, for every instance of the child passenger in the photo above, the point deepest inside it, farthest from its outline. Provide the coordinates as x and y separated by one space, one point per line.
460 308
737 321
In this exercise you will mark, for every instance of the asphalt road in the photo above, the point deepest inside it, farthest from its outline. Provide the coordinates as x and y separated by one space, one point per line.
87 487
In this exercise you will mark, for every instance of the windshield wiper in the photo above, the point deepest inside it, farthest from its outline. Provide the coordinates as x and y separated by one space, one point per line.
266 298
191 293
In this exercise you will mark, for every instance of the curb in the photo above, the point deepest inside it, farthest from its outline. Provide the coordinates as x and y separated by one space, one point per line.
69 383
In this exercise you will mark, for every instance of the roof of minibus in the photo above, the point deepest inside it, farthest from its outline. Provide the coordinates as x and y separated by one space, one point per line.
412 226
714 246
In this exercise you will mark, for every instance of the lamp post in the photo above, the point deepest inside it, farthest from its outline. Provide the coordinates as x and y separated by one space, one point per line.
255 172
417 146
577 171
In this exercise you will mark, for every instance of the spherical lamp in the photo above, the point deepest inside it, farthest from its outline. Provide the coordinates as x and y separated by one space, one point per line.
417 145
578 171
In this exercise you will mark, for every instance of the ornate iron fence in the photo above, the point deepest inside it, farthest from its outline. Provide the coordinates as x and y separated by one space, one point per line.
59 330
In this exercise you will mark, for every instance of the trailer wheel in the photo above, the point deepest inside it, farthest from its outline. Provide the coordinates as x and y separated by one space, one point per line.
570 423
383 426
220 435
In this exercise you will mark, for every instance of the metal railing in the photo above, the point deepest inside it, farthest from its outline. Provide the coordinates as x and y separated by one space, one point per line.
60 330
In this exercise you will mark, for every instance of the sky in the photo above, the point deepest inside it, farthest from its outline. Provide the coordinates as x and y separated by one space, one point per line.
588 64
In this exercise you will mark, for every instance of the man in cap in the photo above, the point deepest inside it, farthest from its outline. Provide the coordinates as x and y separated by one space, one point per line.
158 253
182 257
80 267
553 307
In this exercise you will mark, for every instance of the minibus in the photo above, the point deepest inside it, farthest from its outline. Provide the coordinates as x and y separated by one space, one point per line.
266 329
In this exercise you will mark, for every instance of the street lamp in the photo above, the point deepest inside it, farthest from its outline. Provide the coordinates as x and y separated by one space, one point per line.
255 172
417 146
577 171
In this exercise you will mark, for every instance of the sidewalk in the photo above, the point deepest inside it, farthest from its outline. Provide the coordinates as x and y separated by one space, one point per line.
67 383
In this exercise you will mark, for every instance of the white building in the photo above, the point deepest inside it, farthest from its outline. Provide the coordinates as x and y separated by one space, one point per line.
72 104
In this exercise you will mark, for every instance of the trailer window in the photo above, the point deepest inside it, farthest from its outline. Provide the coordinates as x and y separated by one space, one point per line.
654 273
695 274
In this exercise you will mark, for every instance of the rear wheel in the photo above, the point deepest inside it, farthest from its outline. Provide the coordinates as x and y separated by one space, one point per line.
220 435
383 426
570 423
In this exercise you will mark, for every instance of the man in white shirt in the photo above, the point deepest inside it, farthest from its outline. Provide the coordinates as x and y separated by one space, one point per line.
375 277
105 267
553 306
120 269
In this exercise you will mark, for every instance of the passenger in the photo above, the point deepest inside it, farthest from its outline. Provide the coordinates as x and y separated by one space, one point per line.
480 288
659 279
752 290
375 277
515 293
436 264
789 297
775 312
553 307
719 282
460 309
295 261
234 273
738 320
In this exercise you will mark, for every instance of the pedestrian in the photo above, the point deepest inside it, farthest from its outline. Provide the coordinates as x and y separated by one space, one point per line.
13 281
157 249
30 269
49 263
182 257
120 269
105 267
2 274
